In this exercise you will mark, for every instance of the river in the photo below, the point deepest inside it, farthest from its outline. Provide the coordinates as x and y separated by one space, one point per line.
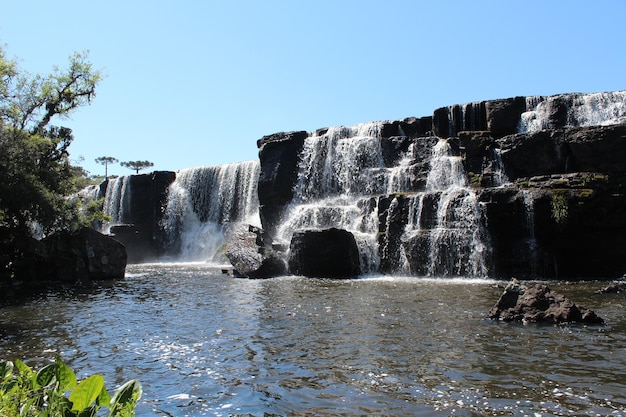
204 343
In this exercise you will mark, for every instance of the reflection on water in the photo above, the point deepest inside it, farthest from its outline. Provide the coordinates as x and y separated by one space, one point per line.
203 343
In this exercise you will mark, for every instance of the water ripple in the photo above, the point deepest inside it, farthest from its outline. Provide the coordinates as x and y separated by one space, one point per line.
206 344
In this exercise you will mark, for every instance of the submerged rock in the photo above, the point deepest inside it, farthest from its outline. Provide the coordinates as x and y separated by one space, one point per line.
614 288
539 304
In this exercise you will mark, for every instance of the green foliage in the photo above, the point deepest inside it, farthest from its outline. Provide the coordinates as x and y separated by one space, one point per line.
29 102
592 177
93 211
137 165
476 180
559 206
53 391
36 175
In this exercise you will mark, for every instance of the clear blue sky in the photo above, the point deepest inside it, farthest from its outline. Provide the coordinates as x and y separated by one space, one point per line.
192 83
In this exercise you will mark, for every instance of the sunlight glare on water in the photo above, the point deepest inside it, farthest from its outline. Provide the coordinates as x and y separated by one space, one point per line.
204 343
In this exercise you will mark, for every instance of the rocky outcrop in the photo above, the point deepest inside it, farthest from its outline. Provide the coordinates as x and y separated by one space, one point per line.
562 213
142 233
499 117
74 257
539 304
251 257
279 155
329 253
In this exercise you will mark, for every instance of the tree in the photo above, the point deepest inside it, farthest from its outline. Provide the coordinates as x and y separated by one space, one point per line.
30 102
36 175
137 165
106 160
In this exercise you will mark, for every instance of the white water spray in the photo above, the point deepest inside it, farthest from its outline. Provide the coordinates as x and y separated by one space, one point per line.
203 203
456 240
116 202
596 109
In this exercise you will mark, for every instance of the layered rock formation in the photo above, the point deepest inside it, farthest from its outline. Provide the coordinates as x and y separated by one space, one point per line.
547 172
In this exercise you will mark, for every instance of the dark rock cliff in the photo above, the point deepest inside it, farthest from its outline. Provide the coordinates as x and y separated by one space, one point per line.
551 184
142 232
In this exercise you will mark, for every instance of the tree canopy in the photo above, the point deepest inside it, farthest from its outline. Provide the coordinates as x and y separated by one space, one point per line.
36 175
29 102
137 165
106 160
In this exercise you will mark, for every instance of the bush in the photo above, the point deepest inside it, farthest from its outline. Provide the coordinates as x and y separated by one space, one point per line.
54 392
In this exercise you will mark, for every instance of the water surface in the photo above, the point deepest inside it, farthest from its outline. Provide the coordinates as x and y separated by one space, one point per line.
203 343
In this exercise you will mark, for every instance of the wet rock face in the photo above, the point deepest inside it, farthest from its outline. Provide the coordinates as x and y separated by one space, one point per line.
143 236
549 173
329 253
539 304
251 256
279 155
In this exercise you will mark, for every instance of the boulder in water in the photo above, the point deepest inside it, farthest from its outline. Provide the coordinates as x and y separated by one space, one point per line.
249 256
327 253
75 257
613 288
539 304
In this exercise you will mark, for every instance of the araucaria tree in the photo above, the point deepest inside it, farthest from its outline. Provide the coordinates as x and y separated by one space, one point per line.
137 165
35 170
106 160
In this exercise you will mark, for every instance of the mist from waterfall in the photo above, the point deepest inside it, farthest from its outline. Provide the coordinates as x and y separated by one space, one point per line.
204 203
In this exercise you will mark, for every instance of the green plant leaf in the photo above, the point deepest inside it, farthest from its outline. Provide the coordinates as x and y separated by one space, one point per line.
86 392
104 399
65 376
127 394
46 375
22 368
6 370
89 412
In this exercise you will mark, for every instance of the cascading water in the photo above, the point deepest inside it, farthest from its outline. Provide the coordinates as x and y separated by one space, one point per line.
451 231
341 176
204 202
596 109
89 193
116 202
339 172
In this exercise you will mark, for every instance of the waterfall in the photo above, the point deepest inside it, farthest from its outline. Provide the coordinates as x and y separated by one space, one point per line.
449 229
204 202
344 160
341 177
499 177
117 202
340 173
89 193
596 109
529 206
